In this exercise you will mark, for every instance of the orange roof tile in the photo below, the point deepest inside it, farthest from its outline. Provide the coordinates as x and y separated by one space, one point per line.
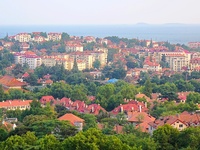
15 103
71 118
11 81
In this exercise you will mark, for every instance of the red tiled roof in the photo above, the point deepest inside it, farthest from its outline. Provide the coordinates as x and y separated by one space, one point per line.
95 108
25 75
131 106
71 118
46 99
133 117
11 81
15 103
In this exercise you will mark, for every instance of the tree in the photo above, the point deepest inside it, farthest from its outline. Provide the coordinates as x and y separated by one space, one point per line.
90 121
119 73
61 49
65 36
104 93
75 67
128 91
14 143
1 93
131 64
60 129
44 34
49 142
193 97
3 134
16 94
184 85
30 119
167 137
111 53
147 88
29 138
18 70
189 137
60 90
168 90
96 64
89 46
78 93
31 79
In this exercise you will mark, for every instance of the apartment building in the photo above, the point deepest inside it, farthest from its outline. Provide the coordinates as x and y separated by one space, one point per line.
176 60
194 44
51 61
22 37
101 56
39 39
31 59
74 47
54 36
83 56
194 63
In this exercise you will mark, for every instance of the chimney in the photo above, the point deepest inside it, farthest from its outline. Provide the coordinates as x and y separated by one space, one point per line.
145 104
140 108
10 102
77 106
132 108
121 108
92 109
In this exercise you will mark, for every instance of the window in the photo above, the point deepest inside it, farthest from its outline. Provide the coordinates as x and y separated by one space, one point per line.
180 125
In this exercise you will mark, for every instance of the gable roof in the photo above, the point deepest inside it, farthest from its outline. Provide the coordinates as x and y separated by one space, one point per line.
189 119
15 103
10 81
71 118
134 117
46 99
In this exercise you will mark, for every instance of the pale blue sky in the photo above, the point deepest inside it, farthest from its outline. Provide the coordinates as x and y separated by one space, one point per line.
70 12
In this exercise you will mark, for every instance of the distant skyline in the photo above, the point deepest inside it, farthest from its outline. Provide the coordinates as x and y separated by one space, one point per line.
98 12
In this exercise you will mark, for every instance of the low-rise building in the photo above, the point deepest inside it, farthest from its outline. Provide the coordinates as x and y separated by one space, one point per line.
179 121
15 104
29 58
23 37
74 120
9 82
54 36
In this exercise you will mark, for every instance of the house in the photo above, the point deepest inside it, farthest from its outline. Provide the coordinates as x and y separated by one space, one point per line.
15 104
194 44
7 126
10 82
140 95
44 82
179 121
117 128
132 105
140 119
182 96
74 120
47 99
95 109
25 75
151 64
24 46
67 102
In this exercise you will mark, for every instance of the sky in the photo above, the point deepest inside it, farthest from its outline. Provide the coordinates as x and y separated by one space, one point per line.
98 12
